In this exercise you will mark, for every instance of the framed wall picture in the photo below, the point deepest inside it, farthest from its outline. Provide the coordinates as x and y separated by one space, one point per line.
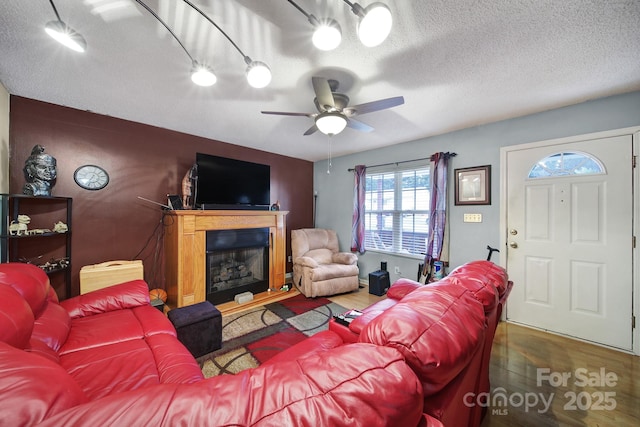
473 185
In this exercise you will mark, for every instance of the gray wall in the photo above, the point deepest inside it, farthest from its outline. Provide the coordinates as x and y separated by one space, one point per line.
475 146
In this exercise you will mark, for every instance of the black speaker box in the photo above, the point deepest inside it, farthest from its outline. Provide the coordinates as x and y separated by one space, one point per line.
379 282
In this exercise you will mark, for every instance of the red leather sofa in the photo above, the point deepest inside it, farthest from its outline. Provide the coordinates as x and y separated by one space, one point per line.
445 330
109 358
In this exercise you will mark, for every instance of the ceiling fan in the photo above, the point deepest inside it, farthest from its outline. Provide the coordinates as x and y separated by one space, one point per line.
334 113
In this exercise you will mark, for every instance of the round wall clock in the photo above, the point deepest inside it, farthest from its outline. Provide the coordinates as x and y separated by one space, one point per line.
91 177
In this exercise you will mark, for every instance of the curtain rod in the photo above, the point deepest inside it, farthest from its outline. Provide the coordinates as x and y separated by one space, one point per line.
397 163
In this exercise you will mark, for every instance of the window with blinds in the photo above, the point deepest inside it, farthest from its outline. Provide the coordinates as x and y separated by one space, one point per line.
397 211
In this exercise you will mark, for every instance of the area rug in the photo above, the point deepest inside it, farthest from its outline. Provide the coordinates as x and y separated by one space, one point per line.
254 336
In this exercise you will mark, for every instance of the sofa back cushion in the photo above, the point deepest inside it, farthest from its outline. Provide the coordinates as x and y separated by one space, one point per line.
437 328
321 255
308 239
132 294
16 317
402 287
50 331
33 388
30 282
30 316
482 290
485 273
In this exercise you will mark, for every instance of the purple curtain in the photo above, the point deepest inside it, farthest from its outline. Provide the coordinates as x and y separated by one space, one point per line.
437 239
357 227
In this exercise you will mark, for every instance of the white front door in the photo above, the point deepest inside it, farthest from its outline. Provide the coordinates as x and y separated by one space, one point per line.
570 238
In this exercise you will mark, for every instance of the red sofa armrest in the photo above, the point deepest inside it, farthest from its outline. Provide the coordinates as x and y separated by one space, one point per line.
317 343
402 287
429 421
125 295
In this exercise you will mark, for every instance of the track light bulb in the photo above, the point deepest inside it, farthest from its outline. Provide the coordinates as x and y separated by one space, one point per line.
66 35
202 75
258 74
375 24
327 35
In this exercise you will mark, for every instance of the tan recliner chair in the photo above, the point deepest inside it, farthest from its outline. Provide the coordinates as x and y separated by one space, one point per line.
319 268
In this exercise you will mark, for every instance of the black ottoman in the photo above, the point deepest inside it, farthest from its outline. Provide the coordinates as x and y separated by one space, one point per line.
199 327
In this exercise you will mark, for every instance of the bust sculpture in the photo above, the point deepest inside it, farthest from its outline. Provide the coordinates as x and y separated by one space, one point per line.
40 172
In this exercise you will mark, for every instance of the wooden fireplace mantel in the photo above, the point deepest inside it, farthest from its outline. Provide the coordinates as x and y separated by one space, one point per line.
185 248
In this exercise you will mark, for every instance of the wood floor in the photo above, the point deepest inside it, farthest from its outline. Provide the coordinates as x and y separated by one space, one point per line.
601 386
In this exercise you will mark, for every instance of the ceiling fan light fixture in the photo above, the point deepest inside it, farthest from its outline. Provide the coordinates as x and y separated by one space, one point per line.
66 35
202 75
327 35
258 74
331 122
375 24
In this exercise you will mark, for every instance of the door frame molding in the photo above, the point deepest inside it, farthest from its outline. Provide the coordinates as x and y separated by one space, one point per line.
635 134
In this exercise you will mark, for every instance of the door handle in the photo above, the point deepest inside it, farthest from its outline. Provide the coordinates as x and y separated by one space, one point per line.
513 245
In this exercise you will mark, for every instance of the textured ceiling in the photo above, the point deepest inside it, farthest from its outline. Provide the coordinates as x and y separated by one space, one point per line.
457 63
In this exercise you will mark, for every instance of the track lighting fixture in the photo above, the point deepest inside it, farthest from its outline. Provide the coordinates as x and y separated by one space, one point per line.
258 73
201 74
375 22
373 28
64 34
327 34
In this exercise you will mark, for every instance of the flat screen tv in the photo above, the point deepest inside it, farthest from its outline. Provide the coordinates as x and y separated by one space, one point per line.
224 183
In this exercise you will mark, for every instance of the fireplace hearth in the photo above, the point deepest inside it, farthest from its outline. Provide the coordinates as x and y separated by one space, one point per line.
237 262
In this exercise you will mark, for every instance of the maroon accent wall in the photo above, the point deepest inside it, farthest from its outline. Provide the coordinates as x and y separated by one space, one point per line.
142 160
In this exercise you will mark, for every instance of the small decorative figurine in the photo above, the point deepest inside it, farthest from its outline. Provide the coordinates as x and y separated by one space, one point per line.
19 228
187 184
276 206
40 173
60 227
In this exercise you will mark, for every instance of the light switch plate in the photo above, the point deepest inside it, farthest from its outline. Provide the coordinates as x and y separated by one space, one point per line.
472 217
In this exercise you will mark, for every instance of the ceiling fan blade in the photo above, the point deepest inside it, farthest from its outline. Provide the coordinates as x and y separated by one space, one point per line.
284 113
311 130
362 127
323 92
370 107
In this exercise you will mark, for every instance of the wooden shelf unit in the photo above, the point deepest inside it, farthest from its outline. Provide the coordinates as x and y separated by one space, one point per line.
185 248
39 248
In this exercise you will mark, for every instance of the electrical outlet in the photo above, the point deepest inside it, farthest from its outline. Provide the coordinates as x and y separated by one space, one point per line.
472 217
289 258
397 270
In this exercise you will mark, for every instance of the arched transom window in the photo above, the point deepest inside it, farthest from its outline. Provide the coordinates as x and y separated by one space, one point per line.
566 164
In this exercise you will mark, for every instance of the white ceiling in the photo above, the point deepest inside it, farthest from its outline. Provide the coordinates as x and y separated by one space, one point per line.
458 63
